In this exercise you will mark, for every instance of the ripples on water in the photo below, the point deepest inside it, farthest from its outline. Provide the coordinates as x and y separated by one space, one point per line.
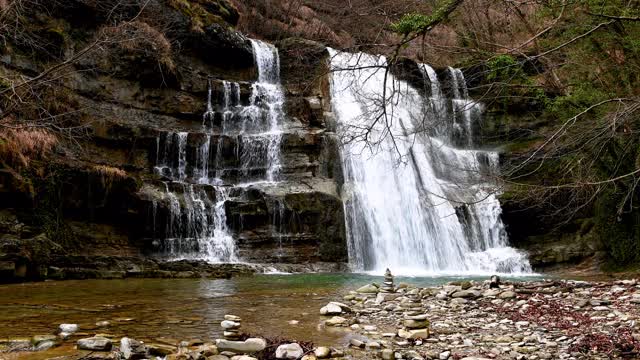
152 309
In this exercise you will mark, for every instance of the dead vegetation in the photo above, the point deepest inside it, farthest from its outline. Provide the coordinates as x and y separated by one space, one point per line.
18 147
110 171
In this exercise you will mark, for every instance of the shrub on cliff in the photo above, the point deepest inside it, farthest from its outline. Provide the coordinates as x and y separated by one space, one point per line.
134 50
19 146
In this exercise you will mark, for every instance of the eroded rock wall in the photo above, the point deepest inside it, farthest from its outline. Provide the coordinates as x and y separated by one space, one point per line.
91 207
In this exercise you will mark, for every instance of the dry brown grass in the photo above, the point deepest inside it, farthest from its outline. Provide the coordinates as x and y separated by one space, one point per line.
110 172
140 38
19 146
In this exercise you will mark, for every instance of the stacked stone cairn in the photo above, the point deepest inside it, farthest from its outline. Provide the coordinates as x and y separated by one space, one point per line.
231 326
387 285
415 327
414 305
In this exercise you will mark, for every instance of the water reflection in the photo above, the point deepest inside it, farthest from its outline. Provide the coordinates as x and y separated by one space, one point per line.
178 309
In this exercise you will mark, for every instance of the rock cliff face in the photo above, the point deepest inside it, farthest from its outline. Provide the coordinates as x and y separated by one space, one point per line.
110 201
99 206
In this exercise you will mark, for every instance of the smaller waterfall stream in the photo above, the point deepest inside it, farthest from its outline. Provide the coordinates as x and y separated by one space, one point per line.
200 170
418 198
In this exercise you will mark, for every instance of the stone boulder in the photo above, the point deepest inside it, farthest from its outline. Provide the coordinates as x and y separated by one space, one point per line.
413 334
507 295
334 308
251 345
322 352
331 309
467 294
132 349
368 289
289 351
96 343
336 321
68 328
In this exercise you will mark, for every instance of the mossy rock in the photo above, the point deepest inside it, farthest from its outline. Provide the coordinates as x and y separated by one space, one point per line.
619 232
204 13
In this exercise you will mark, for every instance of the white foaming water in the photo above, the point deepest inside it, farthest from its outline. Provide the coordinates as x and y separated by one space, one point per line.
430 74
413 202
270 91
196 195
195 226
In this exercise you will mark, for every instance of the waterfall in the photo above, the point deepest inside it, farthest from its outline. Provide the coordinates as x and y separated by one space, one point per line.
239 145
418 198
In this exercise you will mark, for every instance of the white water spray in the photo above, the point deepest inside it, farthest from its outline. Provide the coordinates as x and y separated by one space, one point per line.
414 202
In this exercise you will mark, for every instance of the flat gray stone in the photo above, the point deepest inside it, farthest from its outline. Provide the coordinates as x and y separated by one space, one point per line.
95 344
289 351
248 346
68 328
132 349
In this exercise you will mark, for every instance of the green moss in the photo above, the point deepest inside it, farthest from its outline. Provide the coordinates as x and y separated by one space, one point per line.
418 23
619 232
4 84
199 17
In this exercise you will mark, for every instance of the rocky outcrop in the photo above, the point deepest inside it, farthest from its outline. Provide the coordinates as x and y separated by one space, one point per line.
97 208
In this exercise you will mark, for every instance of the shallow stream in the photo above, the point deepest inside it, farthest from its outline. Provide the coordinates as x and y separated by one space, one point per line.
172 310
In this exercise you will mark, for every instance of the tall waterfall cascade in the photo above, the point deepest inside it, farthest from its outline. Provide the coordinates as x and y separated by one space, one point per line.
419 198
238 146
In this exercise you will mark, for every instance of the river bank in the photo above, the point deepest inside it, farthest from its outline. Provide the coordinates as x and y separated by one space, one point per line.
422 318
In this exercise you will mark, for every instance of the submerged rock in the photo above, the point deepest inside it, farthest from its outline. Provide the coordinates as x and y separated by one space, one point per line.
37 339
45 345
161 349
